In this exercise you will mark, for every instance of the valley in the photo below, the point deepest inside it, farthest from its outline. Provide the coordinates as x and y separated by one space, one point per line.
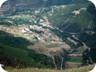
47 33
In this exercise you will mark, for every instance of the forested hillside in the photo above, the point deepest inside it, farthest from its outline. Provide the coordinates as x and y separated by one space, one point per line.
47 33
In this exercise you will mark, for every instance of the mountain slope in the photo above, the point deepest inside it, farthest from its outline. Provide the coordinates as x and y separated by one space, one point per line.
51 24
